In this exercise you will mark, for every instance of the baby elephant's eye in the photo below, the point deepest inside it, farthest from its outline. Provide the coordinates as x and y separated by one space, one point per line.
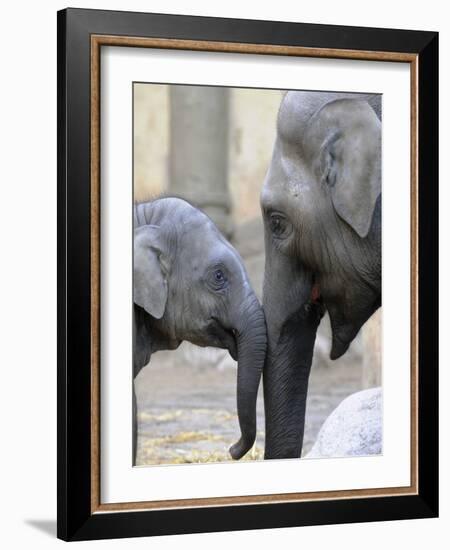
279 226
218 275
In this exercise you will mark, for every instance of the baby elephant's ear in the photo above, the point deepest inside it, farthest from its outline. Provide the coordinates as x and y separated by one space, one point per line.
149 281
351 160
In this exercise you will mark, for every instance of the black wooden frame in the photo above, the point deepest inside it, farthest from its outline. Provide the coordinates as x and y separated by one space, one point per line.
75 520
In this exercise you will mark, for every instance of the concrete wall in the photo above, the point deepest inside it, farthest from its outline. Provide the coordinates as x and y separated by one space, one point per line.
151 140
253 115
252 118
372 342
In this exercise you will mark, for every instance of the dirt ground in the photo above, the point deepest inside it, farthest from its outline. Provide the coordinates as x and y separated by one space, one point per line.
188 413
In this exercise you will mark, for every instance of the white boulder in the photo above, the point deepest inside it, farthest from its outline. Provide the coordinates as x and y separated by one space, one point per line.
354 428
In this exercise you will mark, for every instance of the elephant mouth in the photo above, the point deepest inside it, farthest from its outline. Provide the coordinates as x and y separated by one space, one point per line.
224 338
314 309
232 345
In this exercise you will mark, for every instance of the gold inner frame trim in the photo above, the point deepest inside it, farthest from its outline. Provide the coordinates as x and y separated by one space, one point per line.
97 41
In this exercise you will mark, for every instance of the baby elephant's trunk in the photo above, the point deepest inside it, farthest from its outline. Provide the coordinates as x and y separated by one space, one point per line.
251 344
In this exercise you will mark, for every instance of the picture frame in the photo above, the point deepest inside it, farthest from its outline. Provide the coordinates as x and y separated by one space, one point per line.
81 36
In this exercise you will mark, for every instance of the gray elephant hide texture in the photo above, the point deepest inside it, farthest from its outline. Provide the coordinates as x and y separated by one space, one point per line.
190 284
321 205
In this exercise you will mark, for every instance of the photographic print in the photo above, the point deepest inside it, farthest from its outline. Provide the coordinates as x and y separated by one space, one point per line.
247 287
257 274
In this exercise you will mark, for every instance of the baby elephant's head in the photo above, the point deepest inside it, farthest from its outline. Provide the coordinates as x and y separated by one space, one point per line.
194 287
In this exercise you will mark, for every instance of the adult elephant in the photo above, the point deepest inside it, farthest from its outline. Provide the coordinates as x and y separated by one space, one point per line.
321 205
190 284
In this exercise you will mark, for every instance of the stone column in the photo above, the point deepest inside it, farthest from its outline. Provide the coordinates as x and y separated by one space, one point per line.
198 154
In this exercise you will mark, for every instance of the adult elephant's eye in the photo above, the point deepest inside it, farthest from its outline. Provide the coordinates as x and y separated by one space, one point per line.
279 226
218 279
218 276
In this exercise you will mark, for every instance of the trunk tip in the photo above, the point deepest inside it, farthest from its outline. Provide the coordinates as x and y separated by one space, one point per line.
241 448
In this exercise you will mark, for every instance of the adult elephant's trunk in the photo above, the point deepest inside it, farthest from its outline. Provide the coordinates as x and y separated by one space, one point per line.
293 310
286 376
251 344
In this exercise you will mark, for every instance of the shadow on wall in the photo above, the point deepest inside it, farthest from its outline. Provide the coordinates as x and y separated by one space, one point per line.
46 526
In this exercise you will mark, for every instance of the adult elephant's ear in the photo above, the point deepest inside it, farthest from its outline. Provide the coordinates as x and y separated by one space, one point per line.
351 159
149 279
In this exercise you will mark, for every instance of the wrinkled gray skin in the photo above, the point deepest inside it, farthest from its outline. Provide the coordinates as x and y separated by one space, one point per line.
190 284
321 205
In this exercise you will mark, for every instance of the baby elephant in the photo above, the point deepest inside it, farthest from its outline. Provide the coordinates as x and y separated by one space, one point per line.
190 284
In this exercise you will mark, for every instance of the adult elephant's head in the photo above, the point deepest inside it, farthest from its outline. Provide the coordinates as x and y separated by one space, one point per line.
321 204
190 284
